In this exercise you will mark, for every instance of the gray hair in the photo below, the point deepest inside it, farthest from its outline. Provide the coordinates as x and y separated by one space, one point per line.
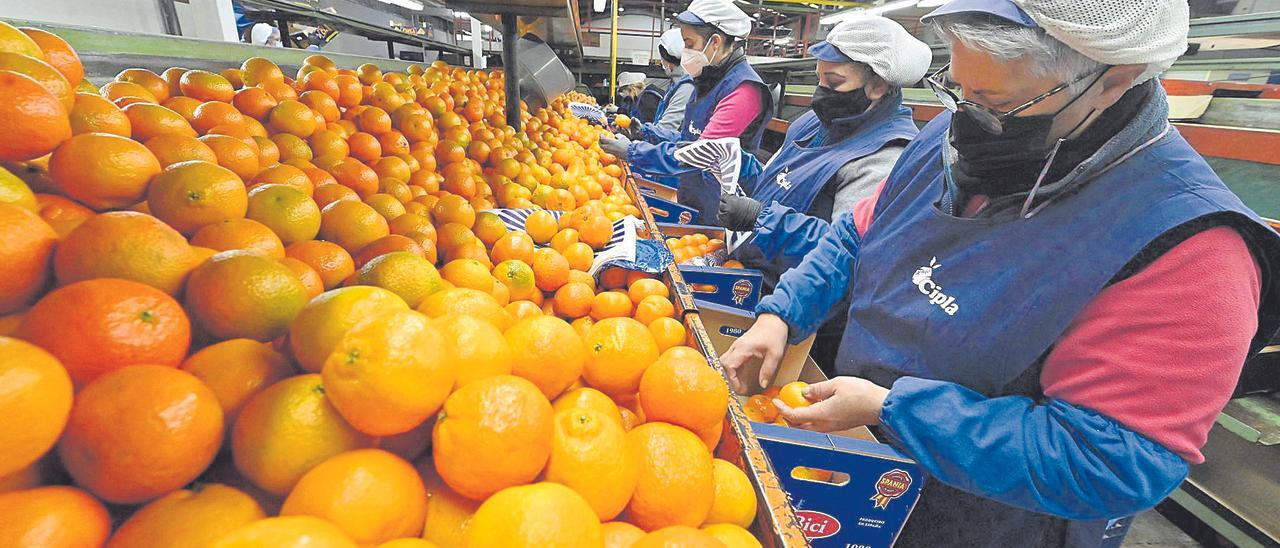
1048 56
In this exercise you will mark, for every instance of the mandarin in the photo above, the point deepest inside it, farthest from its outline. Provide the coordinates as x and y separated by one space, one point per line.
548 352
52 517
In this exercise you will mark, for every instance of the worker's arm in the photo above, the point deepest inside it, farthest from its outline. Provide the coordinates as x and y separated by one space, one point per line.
671 118
1133 387
824 255
656 134
656 158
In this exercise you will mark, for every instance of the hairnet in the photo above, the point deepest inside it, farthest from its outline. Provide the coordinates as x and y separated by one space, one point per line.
628 78
1116 32
881 43
672 43
722 14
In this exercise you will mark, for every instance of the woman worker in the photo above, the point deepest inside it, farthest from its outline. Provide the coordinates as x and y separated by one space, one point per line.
835 154
1052 295
730 100
666 123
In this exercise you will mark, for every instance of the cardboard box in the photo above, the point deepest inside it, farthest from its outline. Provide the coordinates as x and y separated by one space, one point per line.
652 188
733 287
850 490
668 211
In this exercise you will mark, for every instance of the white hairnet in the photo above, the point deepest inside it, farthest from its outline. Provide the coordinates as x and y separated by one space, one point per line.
1116 32
260 33
722 14
881 43
628 78
673 42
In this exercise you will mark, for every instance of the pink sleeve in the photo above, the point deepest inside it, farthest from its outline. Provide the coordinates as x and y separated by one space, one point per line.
1161 351
865 209
734 113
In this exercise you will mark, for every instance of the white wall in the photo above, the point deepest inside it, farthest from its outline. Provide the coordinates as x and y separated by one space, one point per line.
627 45
125 15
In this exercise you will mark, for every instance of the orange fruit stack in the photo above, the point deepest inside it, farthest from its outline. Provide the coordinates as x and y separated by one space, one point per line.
251 308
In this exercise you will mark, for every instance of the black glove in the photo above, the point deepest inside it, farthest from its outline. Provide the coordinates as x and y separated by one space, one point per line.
738 212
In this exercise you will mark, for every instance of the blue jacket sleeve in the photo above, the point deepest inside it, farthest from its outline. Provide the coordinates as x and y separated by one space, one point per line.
1054 458
823 256
656 158
656 134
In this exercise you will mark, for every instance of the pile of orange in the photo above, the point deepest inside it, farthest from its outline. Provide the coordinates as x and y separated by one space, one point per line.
698 248
244 309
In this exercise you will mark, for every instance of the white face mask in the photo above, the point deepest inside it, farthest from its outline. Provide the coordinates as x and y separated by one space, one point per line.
693 61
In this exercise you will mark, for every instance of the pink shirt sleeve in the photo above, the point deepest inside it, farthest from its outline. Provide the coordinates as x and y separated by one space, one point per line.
865 209
1161 351
732 116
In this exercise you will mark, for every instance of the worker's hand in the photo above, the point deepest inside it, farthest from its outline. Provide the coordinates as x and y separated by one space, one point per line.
839 404
617 147
766 340
738 212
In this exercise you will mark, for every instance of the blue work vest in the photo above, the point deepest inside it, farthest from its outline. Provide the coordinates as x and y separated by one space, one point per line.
980 302
671 90
797 173
698 189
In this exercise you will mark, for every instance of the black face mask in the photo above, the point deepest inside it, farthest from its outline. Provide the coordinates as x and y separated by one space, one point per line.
999 164
830 105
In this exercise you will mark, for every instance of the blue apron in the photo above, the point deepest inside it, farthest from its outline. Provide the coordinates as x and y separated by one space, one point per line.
636 111
798 173
698 189
671 90
980 302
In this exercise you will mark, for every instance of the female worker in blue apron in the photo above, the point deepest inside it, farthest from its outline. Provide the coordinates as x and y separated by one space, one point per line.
1051 193
730 100
837 153
666 123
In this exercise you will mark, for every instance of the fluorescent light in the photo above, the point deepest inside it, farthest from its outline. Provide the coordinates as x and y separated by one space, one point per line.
406 4
878 10
598 5
462 14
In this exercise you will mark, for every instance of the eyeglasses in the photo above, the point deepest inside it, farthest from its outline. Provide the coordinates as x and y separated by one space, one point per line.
990 120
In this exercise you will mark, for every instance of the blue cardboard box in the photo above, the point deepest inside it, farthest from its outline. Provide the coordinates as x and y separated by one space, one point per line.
733 287
668 211
846 492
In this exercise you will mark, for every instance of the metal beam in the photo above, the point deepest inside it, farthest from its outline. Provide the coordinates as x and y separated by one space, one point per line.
1236 25
169 17
511 76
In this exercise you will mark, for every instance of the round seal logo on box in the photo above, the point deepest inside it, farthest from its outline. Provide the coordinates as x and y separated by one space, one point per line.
891 485
741 290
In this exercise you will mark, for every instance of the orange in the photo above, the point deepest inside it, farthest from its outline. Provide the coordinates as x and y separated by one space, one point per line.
590 454
455 209
329 143
256 70
407 274
548 352
579 255
674 466
620 534
287 429
319 80
610 304
150 81
291 147
292 117
237 369
386 205
792 394
520 310
652 308
216 113
372 495
588 398
645 287
235 154
171 148
52 517
321 103
476 350
735 498
125 244
517 516
454 235
41 72
240 234
349 92
513 245
288 212
35 403
732 536
206 86
286 532
563 239
470 273
328 259
492 434
198 515
100 325
284 174
92 113
332 192
13 39
389 374
489 227
388 244
60 213
183 106
618 352
244 294
448 512
147 120
595 231
678 536
517 276
32 120
408 543
26 247
254 102
550 269
353 174
373 120
351 224
58 53
140 432
667 333
574 300
102 170
191 195
308 276
364 146
318 328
